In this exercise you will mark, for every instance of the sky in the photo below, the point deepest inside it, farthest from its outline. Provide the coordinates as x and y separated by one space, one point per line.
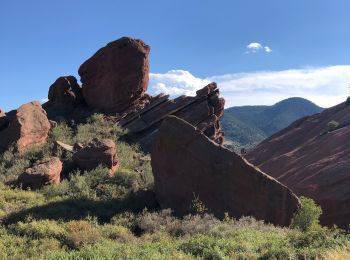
259 52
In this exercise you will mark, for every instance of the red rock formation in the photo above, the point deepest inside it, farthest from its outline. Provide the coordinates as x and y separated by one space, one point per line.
27 126
116 76
312 161
204 111
3 120
187 165
97 153
44 173
65 92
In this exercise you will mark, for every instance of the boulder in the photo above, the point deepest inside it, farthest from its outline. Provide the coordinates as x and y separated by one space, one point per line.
187 165
65 92
45 173
95 153
27 126
116 76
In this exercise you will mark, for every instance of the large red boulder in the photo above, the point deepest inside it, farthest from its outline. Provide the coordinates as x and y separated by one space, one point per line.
188 166
95 153
116 76
45 173
65 92
27 126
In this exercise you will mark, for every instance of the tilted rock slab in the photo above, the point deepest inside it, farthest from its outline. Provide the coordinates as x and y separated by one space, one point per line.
45 173
188 165
95 153
313 161
116 76
203 111
27 126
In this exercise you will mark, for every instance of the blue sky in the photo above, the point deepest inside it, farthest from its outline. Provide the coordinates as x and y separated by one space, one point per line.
192 42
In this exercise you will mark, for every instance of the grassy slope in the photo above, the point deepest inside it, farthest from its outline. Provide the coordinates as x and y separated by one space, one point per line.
249 125
92 216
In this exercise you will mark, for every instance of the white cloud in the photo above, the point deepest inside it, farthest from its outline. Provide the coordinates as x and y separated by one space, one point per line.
254 47
326 86
267 49
176 82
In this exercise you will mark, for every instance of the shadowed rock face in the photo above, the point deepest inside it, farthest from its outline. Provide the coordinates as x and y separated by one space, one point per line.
312 161
44 173
187 165
3 120
65 92
27 126
116 76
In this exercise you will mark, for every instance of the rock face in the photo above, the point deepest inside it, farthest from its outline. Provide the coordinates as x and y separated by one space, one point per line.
313 161
187 165
65 92
3 120
95 153
27 126
203 111
116 76
44 173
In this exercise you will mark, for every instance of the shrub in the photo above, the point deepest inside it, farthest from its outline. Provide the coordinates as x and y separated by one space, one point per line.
197 206
81 233
62 132
38 229
117 233
98 126
307 217
332 125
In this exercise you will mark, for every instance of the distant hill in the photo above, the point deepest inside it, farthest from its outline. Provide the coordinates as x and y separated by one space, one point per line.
246 126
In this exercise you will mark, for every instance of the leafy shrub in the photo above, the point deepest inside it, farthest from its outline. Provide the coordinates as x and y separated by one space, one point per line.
332 125
62 132
98 126
117 233
197 206
307 217
38 229
81 233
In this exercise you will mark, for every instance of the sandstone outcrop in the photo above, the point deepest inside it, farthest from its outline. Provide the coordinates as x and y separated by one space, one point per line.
3 120
65 92
313 161
45 173
95 153
188 165
116 76
203 111
115 82
27 126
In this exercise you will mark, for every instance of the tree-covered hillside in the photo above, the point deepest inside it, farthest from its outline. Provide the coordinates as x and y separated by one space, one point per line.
246 126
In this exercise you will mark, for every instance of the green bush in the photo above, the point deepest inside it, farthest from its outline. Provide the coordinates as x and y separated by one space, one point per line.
307 217
82 232
332 125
